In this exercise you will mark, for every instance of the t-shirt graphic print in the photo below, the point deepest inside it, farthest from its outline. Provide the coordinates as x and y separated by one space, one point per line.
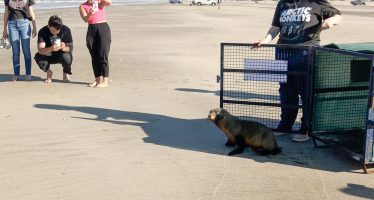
292 22
17 4
300 20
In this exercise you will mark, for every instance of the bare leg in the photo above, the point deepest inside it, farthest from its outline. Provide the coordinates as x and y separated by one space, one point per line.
96 82
66 78
49 76
104 83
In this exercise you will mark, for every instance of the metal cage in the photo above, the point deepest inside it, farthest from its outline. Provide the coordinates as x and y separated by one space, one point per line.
334 90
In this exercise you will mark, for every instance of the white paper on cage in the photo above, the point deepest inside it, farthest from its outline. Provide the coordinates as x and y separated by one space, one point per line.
266 65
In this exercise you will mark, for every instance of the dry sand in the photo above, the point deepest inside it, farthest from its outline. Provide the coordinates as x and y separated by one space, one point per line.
146 136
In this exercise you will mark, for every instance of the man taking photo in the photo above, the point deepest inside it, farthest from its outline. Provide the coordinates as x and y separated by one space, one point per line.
55 44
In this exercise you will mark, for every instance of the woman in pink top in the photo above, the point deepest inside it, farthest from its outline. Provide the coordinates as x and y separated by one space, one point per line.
98 39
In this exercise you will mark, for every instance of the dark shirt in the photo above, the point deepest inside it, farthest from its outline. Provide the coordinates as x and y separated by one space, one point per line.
300 20
44 35
19 9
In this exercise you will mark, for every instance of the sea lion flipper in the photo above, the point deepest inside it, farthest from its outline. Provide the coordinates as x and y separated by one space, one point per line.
229 143
238 150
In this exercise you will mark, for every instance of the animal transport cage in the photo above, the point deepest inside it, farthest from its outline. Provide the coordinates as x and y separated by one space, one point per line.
335 88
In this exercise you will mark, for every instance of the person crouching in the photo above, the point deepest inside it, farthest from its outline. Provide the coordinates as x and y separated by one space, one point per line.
55 46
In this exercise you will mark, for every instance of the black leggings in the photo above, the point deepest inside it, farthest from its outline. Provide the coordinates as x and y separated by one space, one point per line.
98 41
64 58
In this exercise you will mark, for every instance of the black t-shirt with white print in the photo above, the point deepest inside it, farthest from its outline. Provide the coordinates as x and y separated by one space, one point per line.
19 9
300 20
44 35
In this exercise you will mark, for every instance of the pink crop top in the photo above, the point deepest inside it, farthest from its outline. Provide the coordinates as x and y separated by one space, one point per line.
99 16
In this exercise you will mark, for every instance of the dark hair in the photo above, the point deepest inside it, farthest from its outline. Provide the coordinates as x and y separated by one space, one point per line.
55 22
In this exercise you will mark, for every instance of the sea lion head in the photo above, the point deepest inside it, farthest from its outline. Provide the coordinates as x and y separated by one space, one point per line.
216 114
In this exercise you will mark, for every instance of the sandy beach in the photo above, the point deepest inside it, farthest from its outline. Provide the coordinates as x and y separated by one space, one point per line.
146 136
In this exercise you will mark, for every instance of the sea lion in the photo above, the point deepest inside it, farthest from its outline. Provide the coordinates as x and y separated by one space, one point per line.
242 133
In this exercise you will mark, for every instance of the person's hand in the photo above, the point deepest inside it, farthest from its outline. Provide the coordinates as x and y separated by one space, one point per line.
328 23
5 33
34 33
56 47
92 11
63 45
258 43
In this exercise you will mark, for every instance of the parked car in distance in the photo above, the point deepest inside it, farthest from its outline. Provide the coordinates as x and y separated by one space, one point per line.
204 2
176 1
358 2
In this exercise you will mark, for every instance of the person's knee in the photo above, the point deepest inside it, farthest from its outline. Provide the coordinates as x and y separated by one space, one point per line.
66 58
42 63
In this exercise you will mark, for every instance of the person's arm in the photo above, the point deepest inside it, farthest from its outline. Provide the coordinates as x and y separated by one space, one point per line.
272 33
274 29
32 15
46 50
67 44
330 15
6 17
66 47
331 21
85 16
106 2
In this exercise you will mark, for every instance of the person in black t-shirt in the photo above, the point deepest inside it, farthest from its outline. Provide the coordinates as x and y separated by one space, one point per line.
17 17
55 44
298 22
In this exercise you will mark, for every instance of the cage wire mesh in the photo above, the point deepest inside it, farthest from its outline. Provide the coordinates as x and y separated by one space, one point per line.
336 85
341 87
251 79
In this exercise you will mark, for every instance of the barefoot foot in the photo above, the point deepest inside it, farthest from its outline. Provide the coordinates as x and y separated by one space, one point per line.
49 76
103 84
93 84
66 78
96 82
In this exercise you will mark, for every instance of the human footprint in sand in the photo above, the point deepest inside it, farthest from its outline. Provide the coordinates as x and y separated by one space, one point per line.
98 39
55 44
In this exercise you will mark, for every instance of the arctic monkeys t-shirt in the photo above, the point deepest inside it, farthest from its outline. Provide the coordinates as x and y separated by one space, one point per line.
19 9
300 20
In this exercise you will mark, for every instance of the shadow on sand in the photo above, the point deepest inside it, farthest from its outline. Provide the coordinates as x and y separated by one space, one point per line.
9 78
232 94
359 191
203 136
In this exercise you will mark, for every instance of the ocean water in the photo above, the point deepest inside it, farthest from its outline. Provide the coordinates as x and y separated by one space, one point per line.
51 4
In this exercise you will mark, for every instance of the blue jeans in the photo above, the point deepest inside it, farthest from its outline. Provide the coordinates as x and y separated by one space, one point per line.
20 33
295 86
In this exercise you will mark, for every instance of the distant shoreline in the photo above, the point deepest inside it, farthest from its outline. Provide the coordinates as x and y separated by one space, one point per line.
66 5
